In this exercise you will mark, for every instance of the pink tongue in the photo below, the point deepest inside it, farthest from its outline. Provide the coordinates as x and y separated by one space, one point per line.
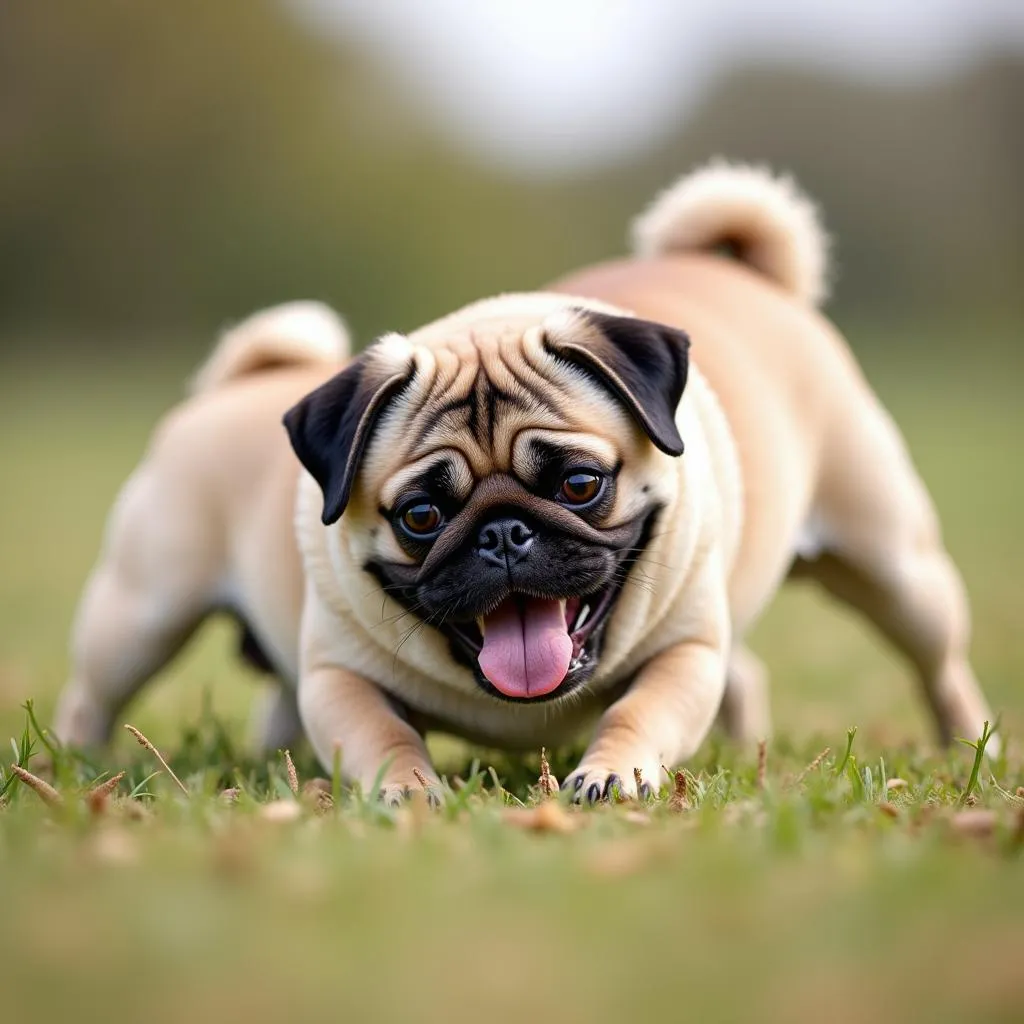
527 647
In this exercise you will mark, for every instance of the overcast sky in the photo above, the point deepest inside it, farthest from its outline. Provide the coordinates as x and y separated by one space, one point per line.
543 86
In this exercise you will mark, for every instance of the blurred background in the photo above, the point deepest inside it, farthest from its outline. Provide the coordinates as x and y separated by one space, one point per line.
167 168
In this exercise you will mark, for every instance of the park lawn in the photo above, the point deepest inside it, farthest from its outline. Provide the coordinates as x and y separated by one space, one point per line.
793 894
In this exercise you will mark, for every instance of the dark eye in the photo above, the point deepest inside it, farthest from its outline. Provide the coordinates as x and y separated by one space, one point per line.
421 519
580 487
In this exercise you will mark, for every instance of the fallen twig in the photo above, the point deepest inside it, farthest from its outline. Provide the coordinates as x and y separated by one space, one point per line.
814 765
97 797
547 783
42 789
106 787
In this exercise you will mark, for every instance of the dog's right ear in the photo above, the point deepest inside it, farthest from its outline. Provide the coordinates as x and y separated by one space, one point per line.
331 427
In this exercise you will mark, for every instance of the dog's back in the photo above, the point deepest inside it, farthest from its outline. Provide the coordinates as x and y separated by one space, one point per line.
830 490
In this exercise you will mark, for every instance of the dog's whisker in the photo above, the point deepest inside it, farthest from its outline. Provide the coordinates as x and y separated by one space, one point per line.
408 635
642 556
639 586
388 588
394 619
645 585
633 575
649 581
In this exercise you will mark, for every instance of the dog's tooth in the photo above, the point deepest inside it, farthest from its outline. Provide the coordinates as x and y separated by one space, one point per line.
584 614
480 624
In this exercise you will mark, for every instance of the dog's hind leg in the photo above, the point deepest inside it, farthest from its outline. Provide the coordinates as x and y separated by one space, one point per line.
882 553
276 721
155 581
745 712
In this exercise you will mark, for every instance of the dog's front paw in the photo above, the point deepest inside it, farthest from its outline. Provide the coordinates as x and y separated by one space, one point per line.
394 793
590 784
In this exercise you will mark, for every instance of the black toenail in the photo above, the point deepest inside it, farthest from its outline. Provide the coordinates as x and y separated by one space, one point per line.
614 783
573 782
594 793
646 791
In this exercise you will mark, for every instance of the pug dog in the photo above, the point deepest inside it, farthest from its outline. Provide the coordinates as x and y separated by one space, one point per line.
541 514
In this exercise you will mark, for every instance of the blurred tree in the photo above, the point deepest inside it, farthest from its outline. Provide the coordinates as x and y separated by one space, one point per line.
182 163
177 165
921 187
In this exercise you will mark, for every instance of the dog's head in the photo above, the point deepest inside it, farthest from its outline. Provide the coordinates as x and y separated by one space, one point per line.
500 476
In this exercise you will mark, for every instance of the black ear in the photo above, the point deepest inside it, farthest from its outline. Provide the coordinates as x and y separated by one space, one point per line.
644 364
330 428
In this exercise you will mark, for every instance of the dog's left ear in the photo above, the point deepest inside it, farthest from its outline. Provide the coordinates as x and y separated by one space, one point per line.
331 427
644 364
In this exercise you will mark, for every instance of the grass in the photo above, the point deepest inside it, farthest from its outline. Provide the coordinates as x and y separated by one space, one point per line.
881 880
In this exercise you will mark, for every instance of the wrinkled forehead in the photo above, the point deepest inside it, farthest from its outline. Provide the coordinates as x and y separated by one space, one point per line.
487 399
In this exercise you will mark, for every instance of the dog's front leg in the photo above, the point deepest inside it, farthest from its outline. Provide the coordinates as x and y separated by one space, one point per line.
344 713
660 720
347 716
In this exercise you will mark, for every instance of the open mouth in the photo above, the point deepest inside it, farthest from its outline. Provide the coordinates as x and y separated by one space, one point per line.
528 647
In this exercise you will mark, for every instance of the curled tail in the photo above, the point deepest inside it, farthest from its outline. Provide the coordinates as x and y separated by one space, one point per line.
765 219
289 335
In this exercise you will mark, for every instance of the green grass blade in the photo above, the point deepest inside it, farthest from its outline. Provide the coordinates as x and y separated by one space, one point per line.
979 756
336 777
43 734
850 734
137 791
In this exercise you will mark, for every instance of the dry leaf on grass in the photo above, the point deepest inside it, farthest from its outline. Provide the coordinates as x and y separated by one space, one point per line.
114 846
549 816
974 823
678 800
280 811
762 762
316 794
892 784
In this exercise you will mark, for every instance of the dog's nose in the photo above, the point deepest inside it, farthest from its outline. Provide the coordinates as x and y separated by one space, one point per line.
504 542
